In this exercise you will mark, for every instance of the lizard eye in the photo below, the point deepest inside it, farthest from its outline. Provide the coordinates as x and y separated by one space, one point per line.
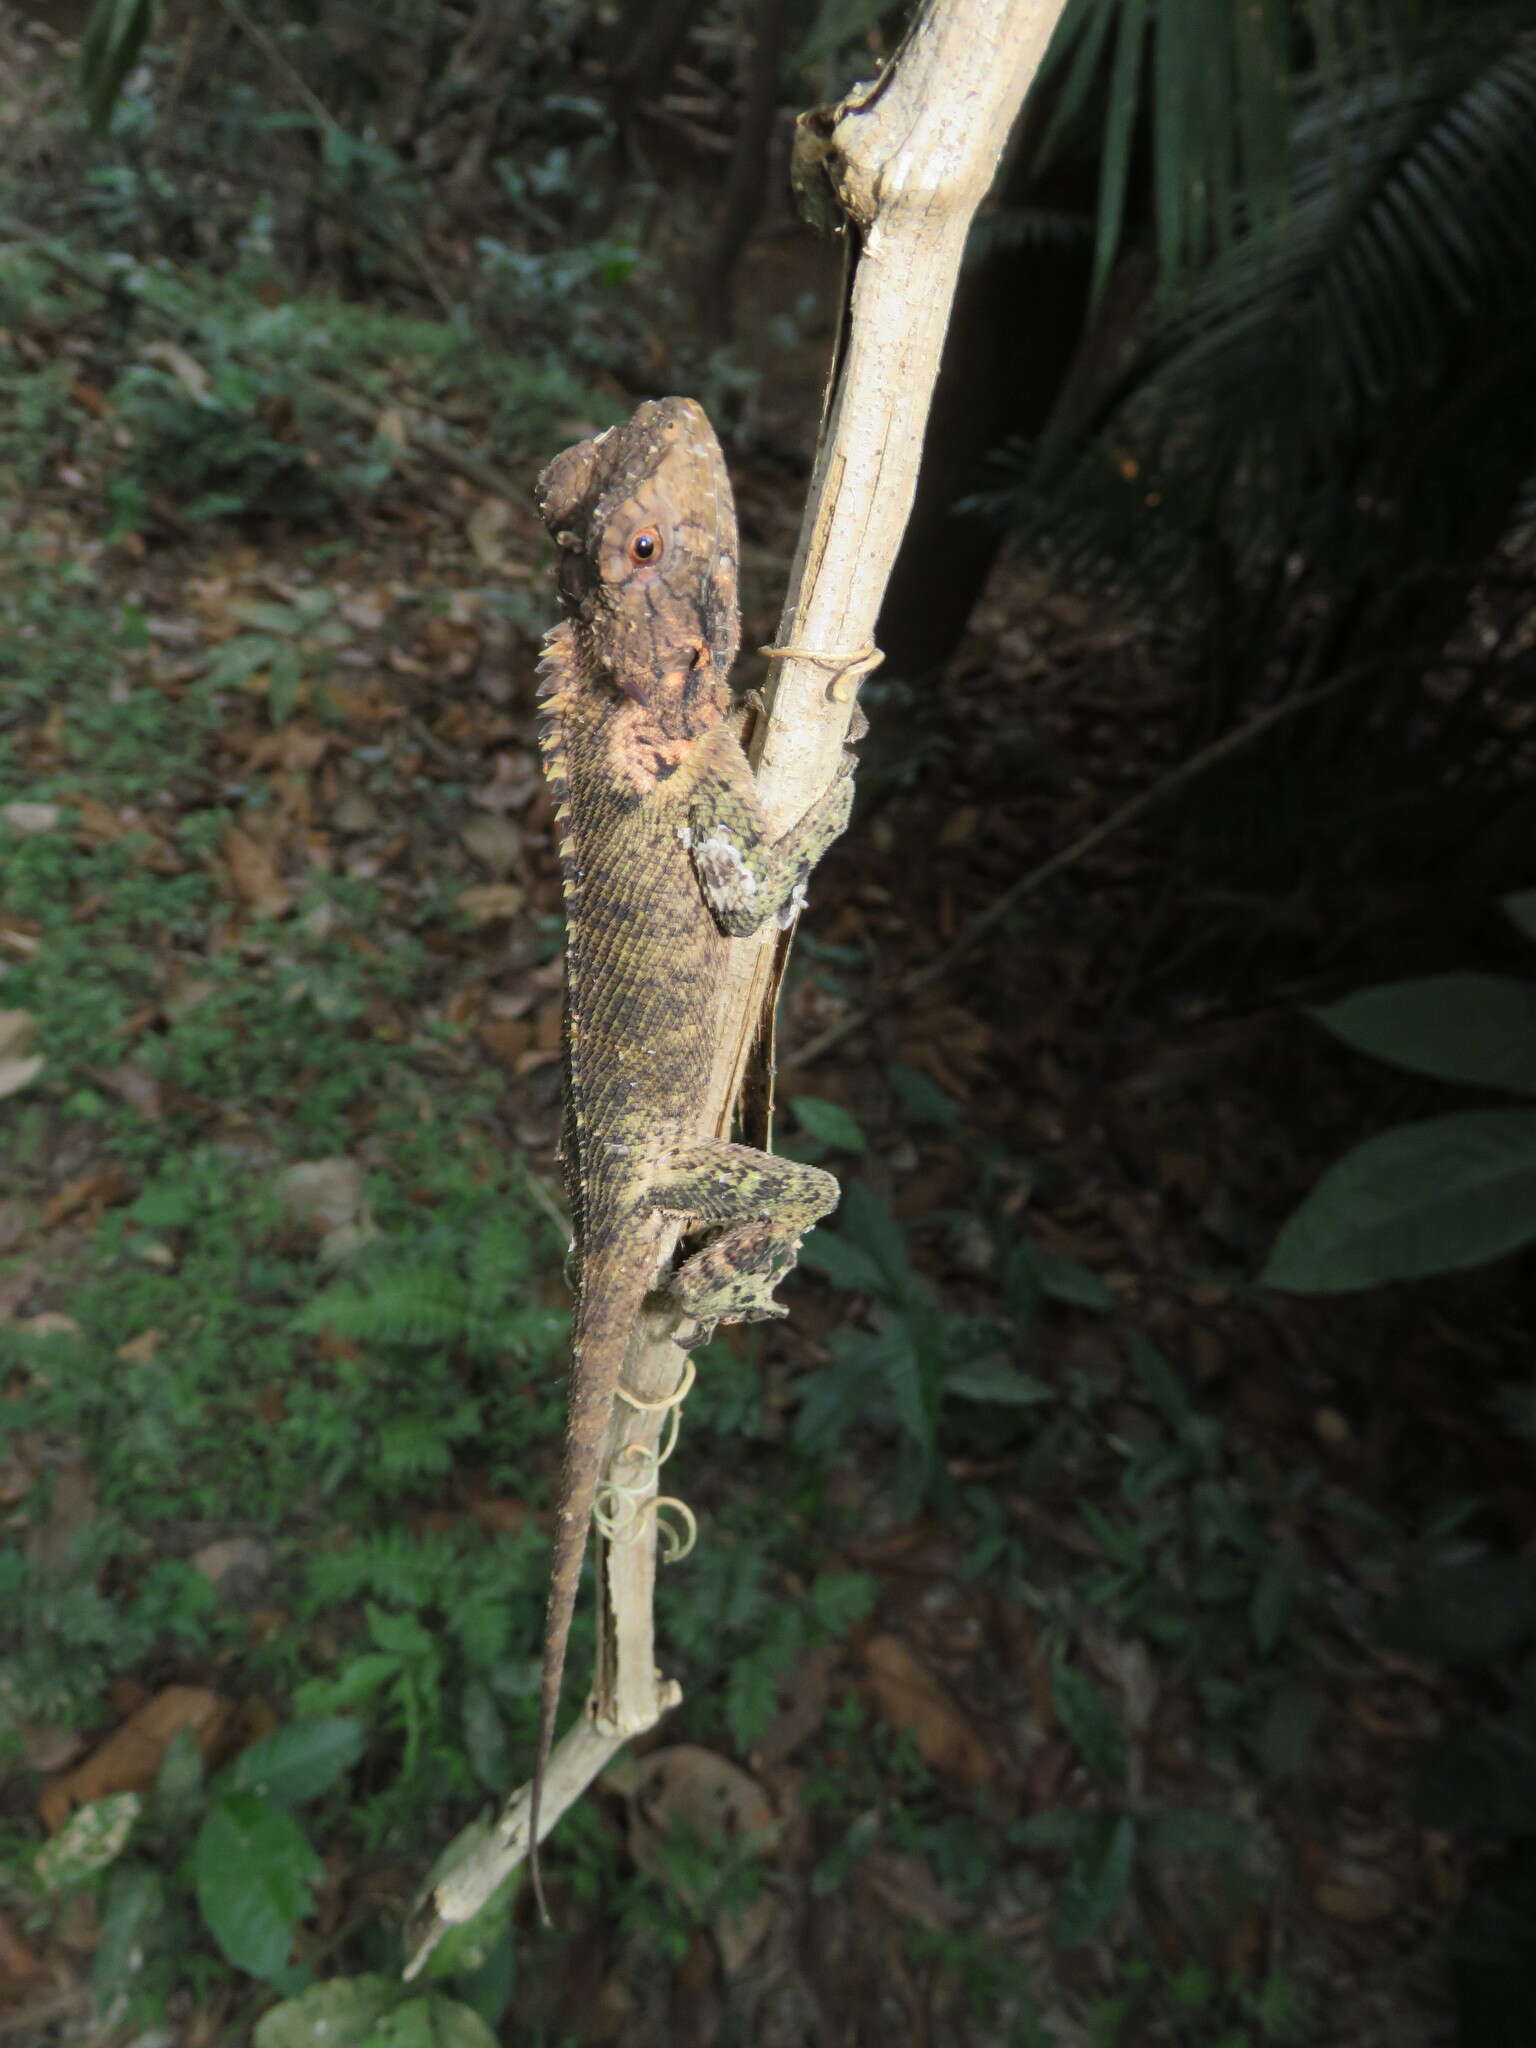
645 547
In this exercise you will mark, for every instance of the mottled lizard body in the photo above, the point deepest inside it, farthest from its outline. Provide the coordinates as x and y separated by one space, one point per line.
666 856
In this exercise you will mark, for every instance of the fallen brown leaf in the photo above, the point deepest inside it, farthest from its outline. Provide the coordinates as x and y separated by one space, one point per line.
912 1699
490 900
18 1031
103 1188
18 1074
130 1758
714 1800
23 816
141 1349
253 871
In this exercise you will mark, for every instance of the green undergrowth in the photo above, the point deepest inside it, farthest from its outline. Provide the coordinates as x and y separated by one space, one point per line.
231 396
369 1401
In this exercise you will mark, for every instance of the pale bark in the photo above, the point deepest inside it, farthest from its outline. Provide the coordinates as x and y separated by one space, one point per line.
907 159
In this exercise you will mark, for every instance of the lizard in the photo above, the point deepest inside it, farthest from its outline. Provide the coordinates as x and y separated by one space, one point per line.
666 857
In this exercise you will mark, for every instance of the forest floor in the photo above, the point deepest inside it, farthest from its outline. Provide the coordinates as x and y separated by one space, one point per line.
1036 1608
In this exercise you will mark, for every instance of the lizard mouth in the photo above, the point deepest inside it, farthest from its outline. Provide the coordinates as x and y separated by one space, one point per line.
673 684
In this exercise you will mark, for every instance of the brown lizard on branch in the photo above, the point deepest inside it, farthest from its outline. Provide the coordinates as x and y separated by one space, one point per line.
666 856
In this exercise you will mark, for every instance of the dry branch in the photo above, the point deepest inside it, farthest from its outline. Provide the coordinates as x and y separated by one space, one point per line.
907 160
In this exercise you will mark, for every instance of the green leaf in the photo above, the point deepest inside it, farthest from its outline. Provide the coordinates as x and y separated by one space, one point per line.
1065 1280
485 1737
1425 1198
1164 1387
88 1841
400 1635
1490 1955
1269 1611
432 2022
870 1225
1098 1881
241 657
1481 1780
1283 1735
296 1763
357 1678
1059 1827
271 618
134 1910
840 1599
1470 1613
253 1866
1119 127
994 1381
284 685
1193 1831
1456 1027
114 36
829 1122
1092 1723
844 1264
923 1100
342 2014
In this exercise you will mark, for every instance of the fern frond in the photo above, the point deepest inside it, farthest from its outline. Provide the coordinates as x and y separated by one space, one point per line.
424 1306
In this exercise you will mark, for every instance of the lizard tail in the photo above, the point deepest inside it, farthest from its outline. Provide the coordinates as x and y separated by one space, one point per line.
614 1281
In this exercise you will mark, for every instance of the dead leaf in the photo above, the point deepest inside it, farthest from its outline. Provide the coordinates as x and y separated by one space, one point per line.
141 1349
51 1544
18 1032
390 426
503 1516
18 1074
490 900
253 871
16 1959
326 1194
237 1566
97 822
14 1289
912 1699
960 826
50 1324
803 1701
187 370
103 1188
907 1886
712 1800
495 841
487 528
130 1758
16 1220
140 1090
1359 1904
29 817
507 1038
89 398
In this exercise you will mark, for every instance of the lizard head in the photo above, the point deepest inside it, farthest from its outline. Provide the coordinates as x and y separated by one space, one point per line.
643 518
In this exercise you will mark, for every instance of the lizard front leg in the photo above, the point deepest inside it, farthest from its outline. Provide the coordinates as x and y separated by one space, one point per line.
745 875
762 1206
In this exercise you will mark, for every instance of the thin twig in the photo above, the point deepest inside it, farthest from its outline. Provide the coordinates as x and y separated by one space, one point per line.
975 930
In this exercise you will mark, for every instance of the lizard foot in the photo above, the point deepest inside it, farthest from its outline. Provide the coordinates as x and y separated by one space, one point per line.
732 1280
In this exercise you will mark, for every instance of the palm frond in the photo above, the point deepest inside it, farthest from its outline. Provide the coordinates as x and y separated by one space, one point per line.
1206 87
1295 398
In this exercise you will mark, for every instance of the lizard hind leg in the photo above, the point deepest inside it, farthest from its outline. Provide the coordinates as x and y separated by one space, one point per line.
760 1207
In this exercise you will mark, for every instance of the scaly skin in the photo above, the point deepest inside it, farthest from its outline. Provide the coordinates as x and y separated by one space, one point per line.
666 856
